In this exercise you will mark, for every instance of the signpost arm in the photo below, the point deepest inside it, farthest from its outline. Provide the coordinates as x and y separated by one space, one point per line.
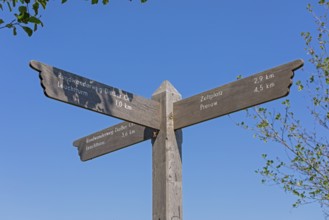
76 90
244 93
167 159
112 139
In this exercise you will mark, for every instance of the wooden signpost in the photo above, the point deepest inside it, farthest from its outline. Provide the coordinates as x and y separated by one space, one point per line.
160 119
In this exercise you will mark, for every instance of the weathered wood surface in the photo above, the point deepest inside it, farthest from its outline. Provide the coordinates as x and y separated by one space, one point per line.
112 139
76 90
244 93
167 160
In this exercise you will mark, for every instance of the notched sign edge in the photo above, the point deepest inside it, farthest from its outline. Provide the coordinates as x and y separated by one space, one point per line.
39 67
291 67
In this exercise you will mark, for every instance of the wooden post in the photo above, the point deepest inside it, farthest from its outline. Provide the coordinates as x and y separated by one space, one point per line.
167 159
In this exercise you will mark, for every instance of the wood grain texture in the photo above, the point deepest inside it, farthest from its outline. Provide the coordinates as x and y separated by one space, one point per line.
112 139
247 92
167 160
89 94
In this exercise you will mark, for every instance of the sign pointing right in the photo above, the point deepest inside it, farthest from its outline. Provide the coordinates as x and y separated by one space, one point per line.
253 90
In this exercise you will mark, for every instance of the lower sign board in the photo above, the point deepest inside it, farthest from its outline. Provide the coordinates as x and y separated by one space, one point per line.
247 92
112 139
77 90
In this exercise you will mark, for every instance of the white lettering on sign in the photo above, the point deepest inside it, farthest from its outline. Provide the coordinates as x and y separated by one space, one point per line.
127 133
209 100
71 84
211 96
102 135
72 89
123 131
206 106
122 104
98 144
263 82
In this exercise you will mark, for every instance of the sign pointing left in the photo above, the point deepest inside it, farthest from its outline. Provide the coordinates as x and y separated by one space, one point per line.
112 139
89 94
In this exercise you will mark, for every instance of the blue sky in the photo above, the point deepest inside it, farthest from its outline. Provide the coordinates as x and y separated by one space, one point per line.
197 46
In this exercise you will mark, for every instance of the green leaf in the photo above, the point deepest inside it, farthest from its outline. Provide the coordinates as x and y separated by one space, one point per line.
105 2
278 116
143 1
316 101
36 8
269 162
14 31
321 2
286 102
22 9
312 79
34 20
63 1
300 85
1 21
43 4
94 2
263 124
28 30
9 25
239 77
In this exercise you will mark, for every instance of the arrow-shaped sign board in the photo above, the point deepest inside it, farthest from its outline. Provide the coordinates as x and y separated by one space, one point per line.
77 90
253 90
112 139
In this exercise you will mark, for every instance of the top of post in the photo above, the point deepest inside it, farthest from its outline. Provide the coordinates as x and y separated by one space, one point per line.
167 87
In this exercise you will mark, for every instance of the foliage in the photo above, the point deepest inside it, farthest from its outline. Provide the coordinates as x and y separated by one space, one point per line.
305 171
25 14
